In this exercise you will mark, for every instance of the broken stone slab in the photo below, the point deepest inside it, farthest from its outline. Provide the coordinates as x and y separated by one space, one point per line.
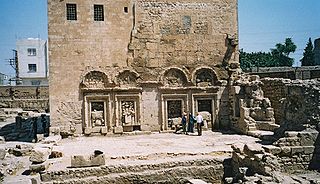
272 149
238 147
54 139
55 154
97 159
36 168
39 155
252 149
21 150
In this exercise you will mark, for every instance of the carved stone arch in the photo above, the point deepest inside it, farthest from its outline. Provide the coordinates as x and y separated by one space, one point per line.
204 77
127 78
94 80
174 77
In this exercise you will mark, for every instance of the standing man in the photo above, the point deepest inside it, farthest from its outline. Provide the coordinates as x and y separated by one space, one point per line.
199 119
184 123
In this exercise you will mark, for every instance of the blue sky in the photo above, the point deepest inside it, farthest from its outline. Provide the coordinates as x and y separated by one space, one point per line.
262 24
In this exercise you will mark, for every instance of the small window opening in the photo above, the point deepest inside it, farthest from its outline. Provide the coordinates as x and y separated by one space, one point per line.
125 9
98 13
71 12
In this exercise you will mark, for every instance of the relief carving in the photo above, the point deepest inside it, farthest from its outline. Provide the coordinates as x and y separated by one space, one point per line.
175 78
95 79
97 114
127 78
127 112
205 78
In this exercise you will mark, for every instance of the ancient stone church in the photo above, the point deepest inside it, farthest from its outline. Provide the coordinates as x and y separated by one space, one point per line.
126 65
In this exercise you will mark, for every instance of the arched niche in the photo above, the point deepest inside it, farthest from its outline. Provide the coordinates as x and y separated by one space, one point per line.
204 77
94 80
174 77
127 78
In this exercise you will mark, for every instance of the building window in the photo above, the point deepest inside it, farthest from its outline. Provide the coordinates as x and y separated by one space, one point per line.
32 52
125 9
98 13
71 12
32 68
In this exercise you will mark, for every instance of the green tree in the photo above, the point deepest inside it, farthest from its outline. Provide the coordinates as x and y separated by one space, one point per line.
278 56
308 55
281 53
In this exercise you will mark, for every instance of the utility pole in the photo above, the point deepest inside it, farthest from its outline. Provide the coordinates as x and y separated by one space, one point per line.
15 65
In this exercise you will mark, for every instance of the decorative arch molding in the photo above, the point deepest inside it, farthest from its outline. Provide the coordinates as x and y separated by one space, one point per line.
174 77
204 77
94 80
127 77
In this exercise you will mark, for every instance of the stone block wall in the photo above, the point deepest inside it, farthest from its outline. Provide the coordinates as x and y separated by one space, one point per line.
25 97
294 101
299 151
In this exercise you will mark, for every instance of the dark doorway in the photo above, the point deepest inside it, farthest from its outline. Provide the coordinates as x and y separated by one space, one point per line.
205 105
174 109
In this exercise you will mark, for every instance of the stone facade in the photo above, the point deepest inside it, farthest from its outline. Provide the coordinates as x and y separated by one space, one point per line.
142 66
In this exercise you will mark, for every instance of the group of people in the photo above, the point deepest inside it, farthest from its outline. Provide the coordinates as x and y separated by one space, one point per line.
189 128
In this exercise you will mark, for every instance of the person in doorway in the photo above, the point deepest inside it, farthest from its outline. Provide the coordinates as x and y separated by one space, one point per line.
184 123
199 119
191 123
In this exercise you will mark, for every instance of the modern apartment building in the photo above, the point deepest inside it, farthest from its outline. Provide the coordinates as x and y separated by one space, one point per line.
32 61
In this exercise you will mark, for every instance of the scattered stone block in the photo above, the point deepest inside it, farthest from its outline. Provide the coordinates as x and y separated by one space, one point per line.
21 150
56 154
52 139
3 153
97 159
118 130
36 168
39 155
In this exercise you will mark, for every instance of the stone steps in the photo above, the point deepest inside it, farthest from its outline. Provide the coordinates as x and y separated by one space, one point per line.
262 134
267 125
209 170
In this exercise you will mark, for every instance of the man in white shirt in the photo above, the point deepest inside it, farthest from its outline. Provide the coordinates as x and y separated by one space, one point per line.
199 119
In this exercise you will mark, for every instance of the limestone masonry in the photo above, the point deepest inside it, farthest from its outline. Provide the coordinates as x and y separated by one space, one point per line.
120 66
